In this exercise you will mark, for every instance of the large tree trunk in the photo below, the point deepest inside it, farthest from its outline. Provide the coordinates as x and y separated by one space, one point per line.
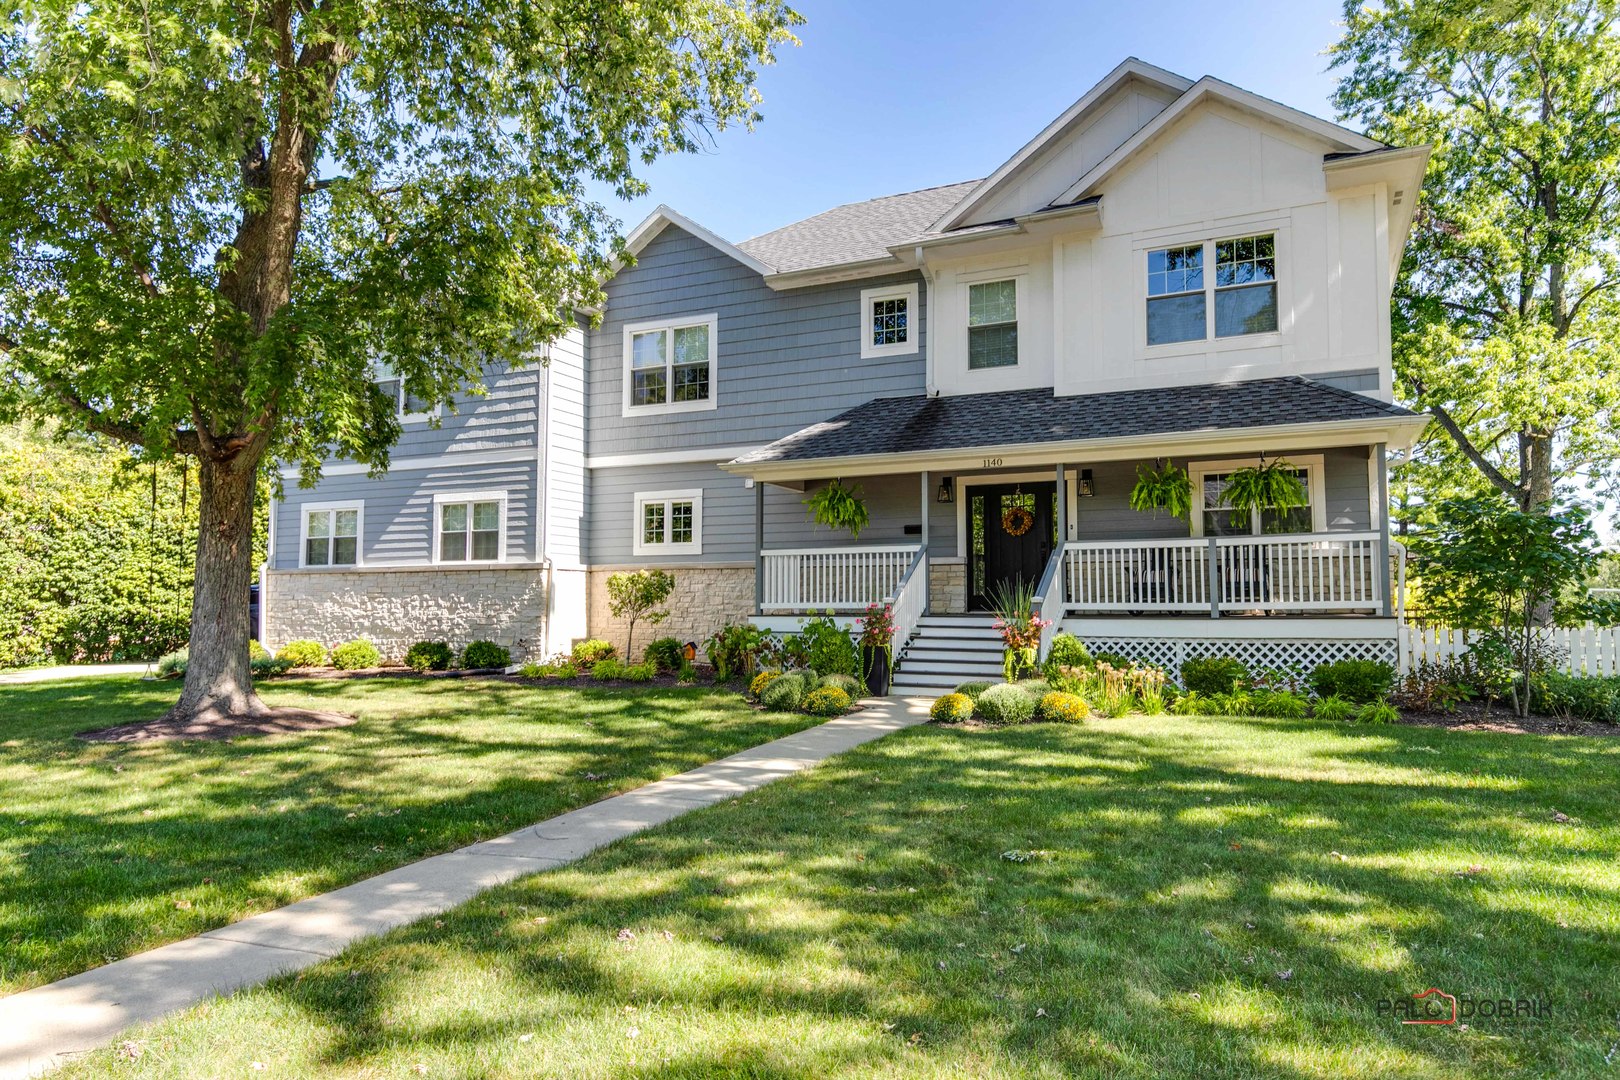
219 683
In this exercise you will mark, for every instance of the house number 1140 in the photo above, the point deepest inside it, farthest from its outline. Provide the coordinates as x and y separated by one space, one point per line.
992 462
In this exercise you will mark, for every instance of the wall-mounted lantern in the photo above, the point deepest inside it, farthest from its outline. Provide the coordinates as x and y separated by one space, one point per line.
946 493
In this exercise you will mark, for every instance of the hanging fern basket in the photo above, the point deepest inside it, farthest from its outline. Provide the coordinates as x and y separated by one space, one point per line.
1165 488
839 507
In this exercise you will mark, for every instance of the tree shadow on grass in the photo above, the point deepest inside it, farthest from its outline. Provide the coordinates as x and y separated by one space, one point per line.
108 849
1211 898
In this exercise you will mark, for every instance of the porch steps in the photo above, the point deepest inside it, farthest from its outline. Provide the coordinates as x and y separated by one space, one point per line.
947 650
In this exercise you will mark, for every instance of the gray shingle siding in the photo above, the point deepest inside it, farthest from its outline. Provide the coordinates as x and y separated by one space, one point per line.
784 359
399 510
728 515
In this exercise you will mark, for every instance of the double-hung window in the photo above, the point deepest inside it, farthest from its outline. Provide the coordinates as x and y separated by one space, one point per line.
670 365
992 324
470 528
332 535
1215 515
889 326
668 523
1187 303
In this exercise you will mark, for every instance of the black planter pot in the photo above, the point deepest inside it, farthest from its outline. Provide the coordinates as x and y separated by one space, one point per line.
875 670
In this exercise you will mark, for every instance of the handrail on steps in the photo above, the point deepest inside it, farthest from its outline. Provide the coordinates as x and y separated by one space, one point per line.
1050 579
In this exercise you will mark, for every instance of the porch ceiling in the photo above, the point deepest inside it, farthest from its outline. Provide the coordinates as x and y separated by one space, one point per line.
1035 426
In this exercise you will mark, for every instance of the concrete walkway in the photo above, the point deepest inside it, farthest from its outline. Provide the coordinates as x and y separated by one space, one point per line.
67 671
42 1027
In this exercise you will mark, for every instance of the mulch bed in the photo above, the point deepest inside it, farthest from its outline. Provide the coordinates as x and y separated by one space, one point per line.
276 722
1473 717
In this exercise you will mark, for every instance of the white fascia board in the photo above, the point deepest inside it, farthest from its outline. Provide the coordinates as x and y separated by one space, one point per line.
1398 431
1131 68
1208 89
664 216
431 461
699 456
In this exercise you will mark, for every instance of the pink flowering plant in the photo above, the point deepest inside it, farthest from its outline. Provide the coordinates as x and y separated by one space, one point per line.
877 627
1020 628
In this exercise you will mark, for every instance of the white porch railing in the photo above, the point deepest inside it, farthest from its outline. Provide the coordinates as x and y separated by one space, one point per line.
910 600
1307 572
833 579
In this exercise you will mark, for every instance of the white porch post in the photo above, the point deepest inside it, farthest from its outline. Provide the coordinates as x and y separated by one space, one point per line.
759 547
924 499
1062 506
1380 510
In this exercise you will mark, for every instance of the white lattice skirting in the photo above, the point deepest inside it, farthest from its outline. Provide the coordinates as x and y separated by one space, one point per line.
1256 653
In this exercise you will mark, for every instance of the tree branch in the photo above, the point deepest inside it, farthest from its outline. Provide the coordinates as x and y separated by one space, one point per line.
1470 451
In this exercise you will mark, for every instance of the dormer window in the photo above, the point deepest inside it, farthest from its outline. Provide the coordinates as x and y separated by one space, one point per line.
1184 303
888 321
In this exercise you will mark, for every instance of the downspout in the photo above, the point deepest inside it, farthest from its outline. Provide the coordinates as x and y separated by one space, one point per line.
542 501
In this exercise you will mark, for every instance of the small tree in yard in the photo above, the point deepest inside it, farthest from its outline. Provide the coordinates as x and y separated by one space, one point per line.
216 219
639 597
1491 566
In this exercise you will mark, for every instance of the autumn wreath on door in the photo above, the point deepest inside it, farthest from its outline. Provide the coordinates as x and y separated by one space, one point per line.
1015 518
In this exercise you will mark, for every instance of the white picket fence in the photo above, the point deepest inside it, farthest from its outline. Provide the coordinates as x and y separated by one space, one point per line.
1589 650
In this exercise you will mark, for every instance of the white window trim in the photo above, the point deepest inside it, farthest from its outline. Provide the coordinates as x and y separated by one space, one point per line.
908 293
1281 232
442 497
384 373
985 277
632 329
1314 481
305 509
642 498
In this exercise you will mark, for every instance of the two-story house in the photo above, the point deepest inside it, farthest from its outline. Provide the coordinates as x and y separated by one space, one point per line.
1171 272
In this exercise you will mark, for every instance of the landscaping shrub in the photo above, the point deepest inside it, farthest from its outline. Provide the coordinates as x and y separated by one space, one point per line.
172 665
642 672
849 684
785 693
1005 703
757 686
267 665
951 709
591 650
303 653
1333 708
1358 681
687 675
666 654
1215 675
1436 686
734 650
1035 688
1192 703
485 654
829 650
1585 697
607 669
1377 712
429 656
826 701
1060 708
972 690
257 651
1236 703
1066 651
354 655
1281 704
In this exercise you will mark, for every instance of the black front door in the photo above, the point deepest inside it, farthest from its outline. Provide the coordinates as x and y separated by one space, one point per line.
1007 545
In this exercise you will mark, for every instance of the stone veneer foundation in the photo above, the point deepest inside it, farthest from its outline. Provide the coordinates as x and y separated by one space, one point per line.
705 599
947 586
396 608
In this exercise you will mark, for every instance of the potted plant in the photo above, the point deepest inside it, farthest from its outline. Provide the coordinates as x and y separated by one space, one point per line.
839 507
1020 628
1267 486
1165 488
877 648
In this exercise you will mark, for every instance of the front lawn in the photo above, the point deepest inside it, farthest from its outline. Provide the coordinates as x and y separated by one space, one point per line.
108 849
1136 897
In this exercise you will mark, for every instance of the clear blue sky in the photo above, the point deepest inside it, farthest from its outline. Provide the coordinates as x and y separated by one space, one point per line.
884 96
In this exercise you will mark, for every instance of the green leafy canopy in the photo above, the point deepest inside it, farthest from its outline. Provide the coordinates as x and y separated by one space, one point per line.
214 218
1506 319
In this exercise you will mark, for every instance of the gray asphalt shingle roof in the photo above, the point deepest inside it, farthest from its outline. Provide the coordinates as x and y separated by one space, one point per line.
855 231
1014 417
